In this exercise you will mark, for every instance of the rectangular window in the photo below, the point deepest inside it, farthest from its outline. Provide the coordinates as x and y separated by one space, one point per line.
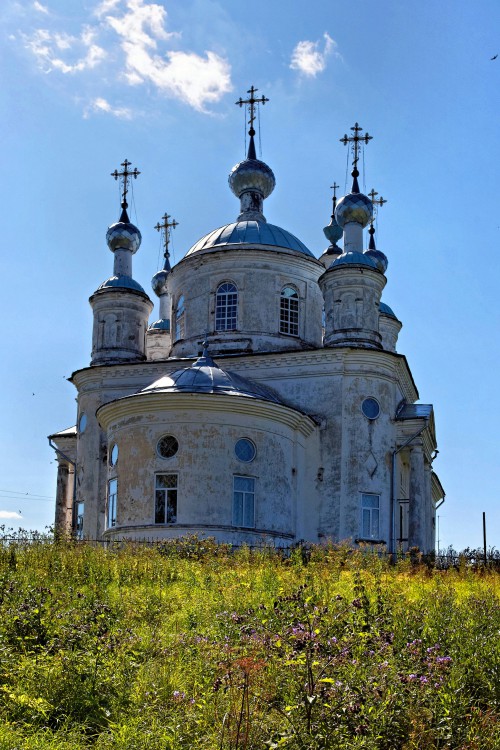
370 517
166 498
112 493
79 520
244 502
289 313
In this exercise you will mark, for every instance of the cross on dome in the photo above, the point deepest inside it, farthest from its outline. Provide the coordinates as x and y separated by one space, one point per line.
355 140
252 102
376 201
165 230
125 176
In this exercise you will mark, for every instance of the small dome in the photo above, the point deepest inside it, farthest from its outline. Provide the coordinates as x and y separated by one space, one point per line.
386 310
379 258
159 282
123 235
252 175
333 232
205 376
251 233
160 325
354 207
121 282
354 259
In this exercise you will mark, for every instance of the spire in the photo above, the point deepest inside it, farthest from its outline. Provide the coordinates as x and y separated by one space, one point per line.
251 102
251 180
372 252
125 176
165 230
355 140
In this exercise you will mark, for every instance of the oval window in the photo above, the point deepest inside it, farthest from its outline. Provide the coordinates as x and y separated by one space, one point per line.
370 408
245 450
167 446
82 423
113 456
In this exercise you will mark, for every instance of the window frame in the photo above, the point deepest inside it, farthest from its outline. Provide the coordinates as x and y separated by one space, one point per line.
289 326
247 511
180 318
369 512
225 321
173 491
111 503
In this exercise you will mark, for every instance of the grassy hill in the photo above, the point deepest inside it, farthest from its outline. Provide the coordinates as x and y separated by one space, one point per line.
192 646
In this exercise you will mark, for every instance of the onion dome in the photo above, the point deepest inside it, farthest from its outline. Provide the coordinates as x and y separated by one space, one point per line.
252 181
376 255
205 376
159 282
354 207
123 235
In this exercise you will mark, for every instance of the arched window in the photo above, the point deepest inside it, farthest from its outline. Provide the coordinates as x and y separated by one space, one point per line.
226 307
179 318
289 311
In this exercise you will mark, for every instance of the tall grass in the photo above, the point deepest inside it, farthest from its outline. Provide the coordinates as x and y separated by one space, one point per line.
190 645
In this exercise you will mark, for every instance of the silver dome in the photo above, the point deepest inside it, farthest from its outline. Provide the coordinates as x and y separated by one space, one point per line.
252 174
159 282
386 310
121 282
379 257
354 259
354 207
123 235
250 233
205 376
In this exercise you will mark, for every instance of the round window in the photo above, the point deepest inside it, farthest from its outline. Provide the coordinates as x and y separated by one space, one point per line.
167 446
370 408
245 450
113 456
82 423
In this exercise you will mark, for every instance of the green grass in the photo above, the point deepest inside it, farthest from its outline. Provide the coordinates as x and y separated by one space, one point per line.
193 646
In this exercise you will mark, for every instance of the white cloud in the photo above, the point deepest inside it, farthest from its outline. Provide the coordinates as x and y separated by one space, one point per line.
40 8
309 59
148 54
102 105
9 514
186 76
47 46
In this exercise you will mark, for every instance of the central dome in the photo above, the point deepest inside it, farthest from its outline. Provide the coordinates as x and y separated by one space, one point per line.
252 233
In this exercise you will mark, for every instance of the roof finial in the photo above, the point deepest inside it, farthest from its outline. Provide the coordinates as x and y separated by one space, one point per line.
376 202
125 176
355 139
252 102
334 199
165 230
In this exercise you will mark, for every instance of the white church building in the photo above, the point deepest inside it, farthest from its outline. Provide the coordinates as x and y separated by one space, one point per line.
268 403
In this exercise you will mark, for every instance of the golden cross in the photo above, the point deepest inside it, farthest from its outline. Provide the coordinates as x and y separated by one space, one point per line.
166 227
356 139
252 101
125 176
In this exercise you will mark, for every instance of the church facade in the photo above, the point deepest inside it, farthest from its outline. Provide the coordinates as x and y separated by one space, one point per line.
266 405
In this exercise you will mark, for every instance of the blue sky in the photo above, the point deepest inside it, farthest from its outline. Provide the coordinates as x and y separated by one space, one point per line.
87 84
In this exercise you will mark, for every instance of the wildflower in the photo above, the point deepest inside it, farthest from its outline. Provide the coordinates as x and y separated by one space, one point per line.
178 695
423 679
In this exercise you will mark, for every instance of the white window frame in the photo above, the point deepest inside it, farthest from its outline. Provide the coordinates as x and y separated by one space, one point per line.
289 311
111 504
370 516
243 501
180 318
170 496
226 307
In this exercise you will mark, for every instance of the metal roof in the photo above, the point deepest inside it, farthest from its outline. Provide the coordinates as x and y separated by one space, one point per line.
386 310
415 411
121 282
160 325
205 376
354 259
250 233
69 432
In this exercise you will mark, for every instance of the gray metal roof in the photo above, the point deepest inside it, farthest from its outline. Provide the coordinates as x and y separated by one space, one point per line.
160 325
353 259
415 411
205 376
250 233
121 282
69 432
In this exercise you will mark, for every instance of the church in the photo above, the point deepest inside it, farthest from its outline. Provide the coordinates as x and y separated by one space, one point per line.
267 404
